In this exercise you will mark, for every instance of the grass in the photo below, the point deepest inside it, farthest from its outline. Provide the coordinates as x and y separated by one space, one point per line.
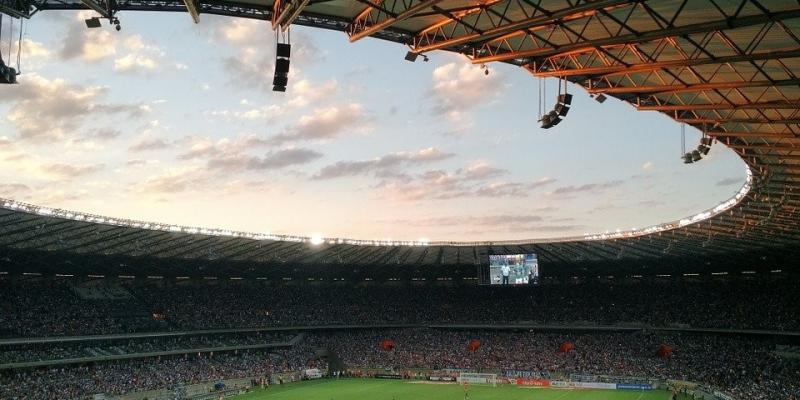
376 389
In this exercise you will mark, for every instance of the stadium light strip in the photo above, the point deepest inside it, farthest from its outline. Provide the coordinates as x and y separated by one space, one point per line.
318 240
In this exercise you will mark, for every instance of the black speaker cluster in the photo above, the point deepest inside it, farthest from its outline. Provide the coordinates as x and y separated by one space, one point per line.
702 150
281 78
7 74
561 109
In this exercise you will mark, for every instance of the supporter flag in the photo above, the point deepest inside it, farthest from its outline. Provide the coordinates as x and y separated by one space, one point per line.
387 344
566 347
664 351
474 345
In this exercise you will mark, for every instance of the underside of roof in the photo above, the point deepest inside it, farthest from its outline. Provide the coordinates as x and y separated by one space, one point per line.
727 67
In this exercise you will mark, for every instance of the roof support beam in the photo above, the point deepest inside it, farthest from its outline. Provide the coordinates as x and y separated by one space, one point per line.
373 19
285 12
559 16
738 121
614 70
711 26
752 135
724 106
98 8
669 89
15 8
191 8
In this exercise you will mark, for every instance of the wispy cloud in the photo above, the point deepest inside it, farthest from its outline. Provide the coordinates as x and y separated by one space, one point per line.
589 187
382 164
273 160
325 124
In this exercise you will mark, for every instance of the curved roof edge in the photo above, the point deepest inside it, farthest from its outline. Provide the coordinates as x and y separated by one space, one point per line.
157 226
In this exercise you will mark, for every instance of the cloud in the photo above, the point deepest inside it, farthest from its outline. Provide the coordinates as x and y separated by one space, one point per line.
458 88
89 45
33 49
590 187
472 220
648 166
174 181
204 147
442 185
67 171
149 145
730 182
272 160
503 189
303 94
382 164
324 124
141 57
482 170
13 189
45 109
105 134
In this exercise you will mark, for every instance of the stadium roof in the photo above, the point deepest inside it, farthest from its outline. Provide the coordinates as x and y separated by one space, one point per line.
728 68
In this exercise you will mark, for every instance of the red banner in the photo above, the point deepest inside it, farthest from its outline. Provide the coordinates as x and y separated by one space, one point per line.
533 382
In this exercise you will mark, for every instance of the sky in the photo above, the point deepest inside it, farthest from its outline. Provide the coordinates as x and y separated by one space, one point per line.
172 122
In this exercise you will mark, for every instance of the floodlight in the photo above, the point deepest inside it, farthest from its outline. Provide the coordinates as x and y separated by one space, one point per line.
93 22
411 56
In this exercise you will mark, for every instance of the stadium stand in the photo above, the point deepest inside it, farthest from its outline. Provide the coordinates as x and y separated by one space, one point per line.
33 308
213 331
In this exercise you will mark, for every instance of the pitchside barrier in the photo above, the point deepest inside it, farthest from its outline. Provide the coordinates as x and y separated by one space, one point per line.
477 379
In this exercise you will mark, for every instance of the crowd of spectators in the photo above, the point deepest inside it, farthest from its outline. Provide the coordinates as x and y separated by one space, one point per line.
744 367
747 368
114 378
19 353
49 308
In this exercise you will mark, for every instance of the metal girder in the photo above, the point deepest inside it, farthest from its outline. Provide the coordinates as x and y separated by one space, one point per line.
779 121
549 66
497 53
755 135
429 39
191 8
678 88
16 8
99 8
722 106
380 16
285 12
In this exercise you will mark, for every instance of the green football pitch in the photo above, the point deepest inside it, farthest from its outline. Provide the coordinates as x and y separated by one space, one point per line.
374 389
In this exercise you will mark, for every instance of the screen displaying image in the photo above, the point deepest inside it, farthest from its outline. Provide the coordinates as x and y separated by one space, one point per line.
513 269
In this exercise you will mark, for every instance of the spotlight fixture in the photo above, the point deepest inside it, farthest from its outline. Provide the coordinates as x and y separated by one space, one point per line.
281 78
696 156
485 69
687 158
424 58
411 56
600 98
93 22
